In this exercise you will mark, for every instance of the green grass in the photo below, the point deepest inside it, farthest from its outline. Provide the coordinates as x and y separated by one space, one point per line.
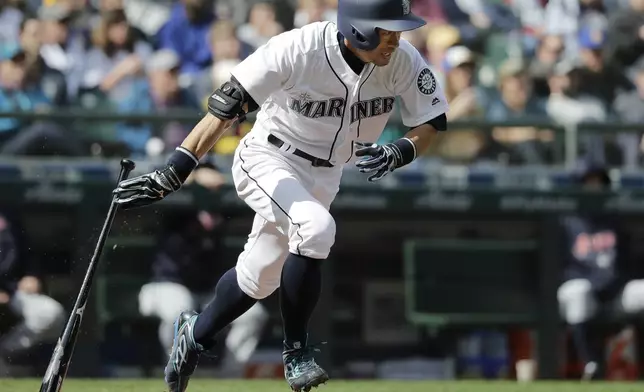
202 385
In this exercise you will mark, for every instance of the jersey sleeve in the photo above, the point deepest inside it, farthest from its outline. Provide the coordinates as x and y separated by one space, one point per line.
270 68
421 97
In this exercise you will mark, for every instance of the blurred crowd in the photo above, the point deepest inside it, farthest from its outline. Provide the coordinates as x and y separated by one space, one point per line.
567 61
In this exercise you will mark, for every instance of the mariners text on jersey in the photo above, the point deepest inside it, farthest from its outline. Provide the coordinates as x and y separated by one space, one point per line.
333 107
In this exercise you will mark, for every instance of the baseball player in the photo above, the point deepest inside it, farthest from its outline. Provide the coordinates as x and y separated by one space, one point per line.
324 94
599 272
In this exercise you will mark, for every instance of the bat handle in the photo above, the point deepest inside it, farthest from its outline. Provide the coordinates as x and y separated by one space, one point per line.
126 167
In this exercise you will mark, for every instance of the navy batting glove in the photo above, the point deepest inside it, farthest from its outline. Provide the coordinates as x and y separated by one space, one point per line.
377 159
148 188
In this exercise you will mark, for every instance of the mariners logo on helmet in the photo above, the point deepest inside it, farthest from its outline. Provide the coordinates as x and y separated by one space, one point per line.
426 82
406 7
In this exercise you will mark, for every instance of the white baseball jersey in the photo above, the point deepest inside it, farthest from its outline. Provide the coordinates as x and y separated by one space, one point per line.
311 99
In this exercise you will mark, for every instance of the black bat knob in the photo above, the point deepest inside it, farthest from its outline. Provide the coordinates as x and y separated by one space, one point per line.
127 165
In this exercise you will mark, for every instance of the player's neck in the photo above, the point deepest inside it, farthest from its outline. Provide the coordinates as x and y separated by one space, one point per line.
354 51
350 56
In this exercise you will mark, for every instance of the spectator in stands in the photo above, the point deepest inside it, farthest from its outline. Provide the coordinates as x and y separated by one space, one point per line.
186 33
15 93
599 78
515 98
160 92
568 103
52 81
118 56
110 5
41 317
465 103
598 272
431 11
10 19
30 37
567 17
104 7
531 14
467 16
629 107
21 89
464 96
262 25
185 271
82 14
515 101
626 34
148 16
486 15
225 46
224 43
417 38
548 53
310 11
163 80
440 38
63 47
235 11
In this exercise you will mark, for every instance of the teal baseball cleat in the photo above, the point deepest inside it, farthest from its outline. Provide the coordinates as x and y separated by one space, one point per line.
300 369
185 354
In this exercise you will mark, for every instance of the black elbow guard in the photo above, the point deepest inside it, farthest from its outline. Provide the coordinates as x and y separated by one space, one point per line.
227 102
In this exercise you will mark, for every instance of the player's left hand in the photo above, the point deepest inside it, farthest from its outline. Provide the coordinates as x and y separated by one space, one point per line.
377 159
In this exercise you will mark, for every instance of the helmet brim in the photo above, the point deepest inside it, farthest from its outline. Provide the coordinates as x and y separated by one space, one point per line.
406 23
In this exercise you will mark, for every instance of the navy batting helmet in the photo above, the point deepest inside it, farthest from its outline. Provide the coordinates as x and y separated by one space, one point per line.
358 20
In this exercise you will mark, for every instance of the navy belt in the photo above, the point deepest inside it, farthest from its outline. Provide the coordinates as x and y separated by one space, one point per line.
316 162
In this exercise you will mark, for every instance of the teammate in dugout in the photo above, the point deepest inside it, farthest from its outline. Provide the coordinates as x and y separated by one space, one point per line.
325 93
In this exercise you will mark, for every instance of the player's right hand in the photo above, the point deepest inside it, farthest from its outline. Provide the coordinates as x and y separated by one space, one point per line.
146 189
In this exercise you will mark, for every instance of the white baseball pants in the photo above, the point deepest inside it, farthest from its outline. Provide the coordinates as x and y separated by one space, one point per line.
291 200
578 305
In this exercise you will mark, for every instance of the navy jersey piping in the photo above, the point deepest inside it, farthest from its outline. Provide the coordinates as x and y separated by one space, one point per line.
359 119
346 94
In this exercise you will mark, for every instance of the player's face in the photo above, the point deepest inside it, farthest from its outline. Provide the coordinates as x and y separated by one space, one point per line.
380 56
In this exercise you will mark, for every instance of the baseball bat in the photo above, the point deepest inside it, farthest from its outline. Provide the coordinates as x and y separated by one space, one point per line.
62 355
